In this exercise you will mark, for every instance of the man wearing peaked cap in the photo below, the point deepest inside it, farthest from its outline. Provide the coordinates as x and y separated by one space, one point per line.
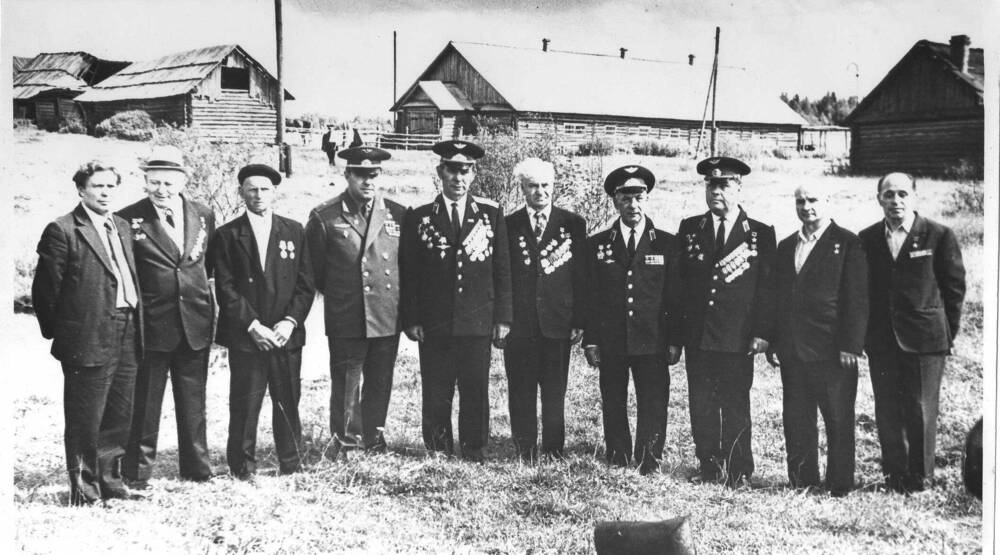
354 247
458 152
632 319
726 260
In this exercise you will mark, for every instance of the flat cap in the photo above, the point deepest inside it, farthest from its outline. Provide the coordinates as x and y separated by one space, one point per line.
629 179
364 156
722 167
458 151
251 170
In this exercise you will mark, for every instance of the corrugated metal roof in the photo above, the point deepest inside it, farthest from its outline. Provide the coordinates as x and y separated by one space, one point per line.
446 96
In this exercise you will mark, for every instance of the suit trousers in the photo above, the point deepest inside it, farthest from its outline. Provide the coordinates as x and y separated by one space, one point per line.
652 392
251 374
906 387
97 402
360 386
719 401
445 362
534 363
188 372
807 386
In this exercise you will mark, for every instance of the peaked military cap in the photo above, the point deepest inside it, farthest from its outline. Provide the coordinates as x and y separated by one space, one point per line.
251 170
458 151
722 167
629 179
364 156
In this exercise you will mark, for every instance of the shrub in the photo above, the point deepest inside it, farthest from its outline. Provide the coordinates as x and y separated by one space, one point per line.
783 153
131 125
596 146
746 150
965 170
653 147
965 198
72 126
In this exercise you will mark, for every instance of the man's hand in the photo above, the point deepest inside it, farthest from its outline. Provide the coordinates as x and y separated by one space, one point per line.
575 335
500 332
772 358
673 354
415 333
758 345
849 361
262 336
283 332
593 355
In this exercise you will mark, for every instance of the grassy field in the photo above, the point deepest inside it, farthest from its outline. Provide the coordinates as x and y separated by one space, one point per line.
408 502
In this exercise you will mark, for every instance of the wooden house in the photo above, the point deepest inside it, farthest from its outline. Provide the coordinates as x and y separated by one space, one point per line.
580 97
925 116
221 91
45 86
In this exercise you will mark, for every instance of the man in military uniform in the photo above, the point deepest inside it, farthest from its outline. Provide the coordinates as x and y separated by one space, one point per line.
632 320
456 299
726 260
548 247
354 246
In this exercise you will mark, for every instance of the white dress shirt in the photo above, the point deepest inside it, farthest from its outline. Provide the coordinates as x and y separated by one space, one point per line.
897 237
176 233
533 218
261 227
807 243
716 220
640 228
124 280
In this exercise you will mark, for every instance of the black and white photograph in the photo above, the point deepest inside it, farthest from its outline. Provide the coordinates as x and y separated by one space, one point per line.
583 276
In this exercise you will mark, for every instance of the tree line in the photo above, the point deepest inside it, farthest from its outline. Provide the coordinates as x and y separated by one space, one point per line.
828 110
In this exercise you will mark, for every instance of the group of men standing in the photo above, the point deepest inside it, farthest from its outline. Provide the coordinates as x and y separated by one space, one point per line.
128 301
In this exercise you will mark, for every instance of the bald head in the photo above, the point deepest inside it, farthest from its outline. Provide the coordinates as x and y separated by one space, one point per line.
812 205
898 179
536 178
896 195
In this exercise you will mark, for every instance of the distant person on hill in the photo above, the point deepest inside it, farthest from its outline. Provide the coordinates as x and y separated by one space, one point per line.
329 147
916 284
263 282
819 335
86 298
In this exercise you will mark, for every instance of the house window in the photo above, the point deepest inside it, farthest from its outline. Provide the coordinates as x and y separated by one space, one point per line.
236 78
575 128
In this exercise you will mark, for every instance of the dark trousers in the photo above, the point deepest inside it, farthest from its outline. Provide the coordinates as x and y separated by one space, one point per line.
251 374
807 386
97 402
360 385
652 392
906 388
445 362
534 363
719 400
188 372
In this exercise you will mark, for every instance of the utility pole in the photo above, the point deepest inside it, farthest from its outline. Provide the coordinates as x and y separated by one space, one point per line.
394 78
715 88
283 162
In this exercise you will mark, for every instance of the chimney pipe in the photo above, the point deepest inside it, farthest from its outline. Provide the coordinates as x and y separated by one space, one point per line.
960 52
545 45
690 59
622 51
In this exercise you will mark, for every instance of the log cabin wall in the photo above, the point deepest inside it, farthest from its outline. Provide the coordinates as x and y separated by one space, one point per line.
924 148
171 110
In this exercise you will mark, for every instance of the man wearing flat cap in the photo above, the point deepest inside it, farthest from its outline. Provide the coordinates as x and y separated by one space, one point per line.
170 236
264 286
354 244
456 299
633 318
726 261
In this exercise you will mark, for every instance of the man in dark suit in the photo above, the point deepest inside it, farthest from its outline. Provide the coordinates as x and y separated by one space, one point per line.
728 310
354 246
819 334
548 247
632 320
329 146
456 299
264 286
86 298
916 284
171 235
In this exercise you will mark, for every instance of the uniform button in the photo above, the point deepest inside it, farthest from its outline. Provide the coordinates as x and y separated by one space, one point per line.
459 263
251 280
364 259
459 289
630 299
385 256
711 303
387 272
180 297
715 277
459 277
388 286
631 313
713 291
629 272
364 273
368 288
630 286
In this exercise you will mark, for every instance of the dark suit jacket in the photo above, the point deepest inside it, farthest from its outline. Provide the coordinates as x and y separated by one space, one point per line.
357 268
633 307
916 300
823 308
721 316
74 289
445 289
176 296
548 300
247 293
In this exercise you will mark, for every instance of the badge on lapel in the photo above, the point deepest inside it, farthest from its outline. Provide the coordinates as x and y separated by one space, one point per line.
286 249
137 233
921 253
199 241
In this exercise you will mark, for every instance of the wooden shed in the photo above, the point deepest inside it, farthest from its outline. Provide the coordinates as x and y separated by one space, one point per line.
925 116
45 86
580 97
221 91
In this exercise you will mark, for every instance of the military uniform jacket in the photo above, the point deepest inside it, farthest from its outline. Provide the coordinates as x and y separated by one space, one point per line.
357 267
548 277
74 289
726 303
916 300
824 308
176 297
456 289
245 292
633 308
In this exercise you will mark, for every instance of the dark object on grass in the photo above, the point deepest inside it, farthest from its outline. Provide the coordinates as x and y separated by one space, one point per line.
664 537
357 140
972 463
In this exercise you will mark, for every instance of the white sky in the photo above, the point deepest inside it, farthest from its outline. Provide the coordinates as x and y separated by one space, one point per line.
338 54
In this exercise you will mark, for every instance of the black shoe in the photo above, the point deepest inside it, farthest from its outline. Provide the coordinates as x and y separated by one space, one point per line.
137 485
647 468
474 456
121 493
706 477
739 481
248 477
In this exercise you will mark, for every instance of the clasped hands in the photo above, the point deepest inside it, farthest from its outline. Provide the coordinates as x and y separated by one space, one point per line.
267 338
848 361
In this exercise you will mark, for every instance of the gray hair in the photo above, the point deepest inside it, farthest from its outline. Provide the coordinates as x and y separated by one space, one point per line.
534 168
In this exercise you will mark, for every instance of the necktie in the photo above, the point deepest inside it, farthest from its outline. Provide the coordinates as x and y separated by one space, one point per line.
170 216
631 243
539 225
720 238
128 288
455 223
